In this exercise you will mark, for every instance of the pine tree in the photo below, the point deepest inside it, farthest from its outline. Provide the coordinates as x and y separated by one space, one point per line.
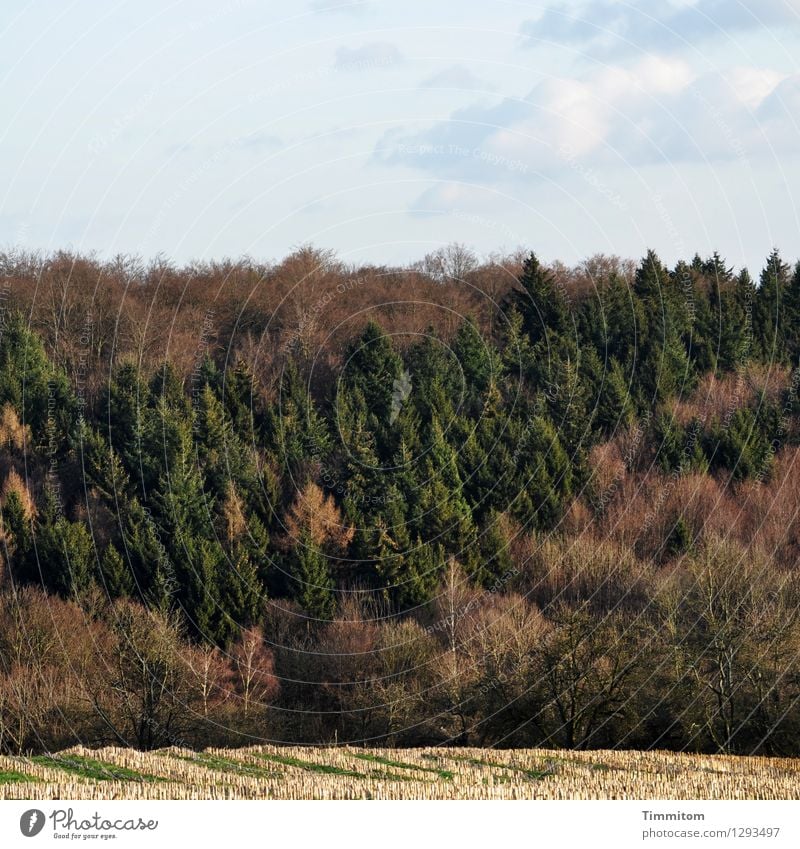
296 433
569 412
122 412
115 576
240 596
36 388
541 303
17 536
313 585
66 557
610 396
144 551
495 559
664 367
736 323
242 402
475 356
198 580
371 367
791 318
769 309
545 475
517 352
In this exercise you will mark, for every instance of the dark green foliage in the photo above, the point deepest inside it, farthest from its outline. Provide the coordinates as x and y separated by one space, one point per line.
541 303
680 539
37 388
610 402
430 454
18 539
769 310
311 583
743 447
295 431
66 556
115 575
546 475
679 449
370 368
477 361
121 414
791 312
495 556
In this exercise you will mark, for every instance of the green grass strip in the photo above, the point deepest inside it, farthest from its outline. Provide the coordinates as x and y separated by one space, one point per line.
532 774
220 764
327 769
92 768
446 774
333 770
12 777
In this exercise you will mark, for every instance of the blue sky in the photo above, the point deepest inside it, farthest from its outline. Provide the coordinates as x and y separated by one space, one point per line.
385 129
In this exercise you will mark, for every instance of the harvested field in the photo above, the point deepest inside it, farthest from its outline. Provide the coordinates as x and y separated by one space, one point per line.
267 772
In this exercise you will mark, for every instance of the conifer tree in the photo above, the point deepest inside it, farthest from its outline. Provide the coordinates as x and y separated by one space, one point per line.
791 318
17 537
475 358
371 365
495 557
769 309
312 582
66 556
541 302
115 576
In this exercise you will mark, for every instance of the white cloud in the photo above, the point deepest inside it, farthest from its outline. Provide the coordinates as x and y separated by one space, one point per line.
753 85
656 111
457 77
368 57
611 26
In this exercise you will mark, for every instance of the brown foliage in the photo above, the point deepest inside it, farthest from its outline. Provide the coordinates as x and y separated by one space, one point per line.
13 435
14 483
317 515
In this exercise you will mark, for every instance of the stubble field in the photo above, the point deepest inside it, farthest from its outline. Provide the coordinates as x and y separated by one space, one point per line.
266 772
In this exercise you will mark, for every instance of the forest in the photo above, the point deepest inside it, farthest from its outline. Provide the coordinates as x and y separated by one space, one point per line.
486 502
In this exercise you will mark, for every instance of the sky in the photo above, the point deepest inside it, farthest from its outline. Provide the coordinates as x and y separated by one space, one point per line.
383 130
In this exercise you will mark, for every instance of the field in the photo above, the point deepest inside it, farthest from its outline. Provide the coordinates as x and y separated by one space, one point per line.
266 772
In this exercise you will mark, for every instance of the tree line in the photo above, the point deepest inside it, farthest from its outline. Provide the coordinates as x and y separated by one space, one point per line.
505 523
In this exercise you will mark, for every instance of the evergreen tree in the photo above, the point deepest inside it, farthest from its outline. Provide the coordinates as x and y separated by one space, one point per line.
769 309
66 557
736 323
517 353
115 576
296 433
442 514
495 559
545 475
742 447
541 303
17 536
122 415
37 389
370 369
198 579
791 318
312 582
240 595
664 368
610 395
476 359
